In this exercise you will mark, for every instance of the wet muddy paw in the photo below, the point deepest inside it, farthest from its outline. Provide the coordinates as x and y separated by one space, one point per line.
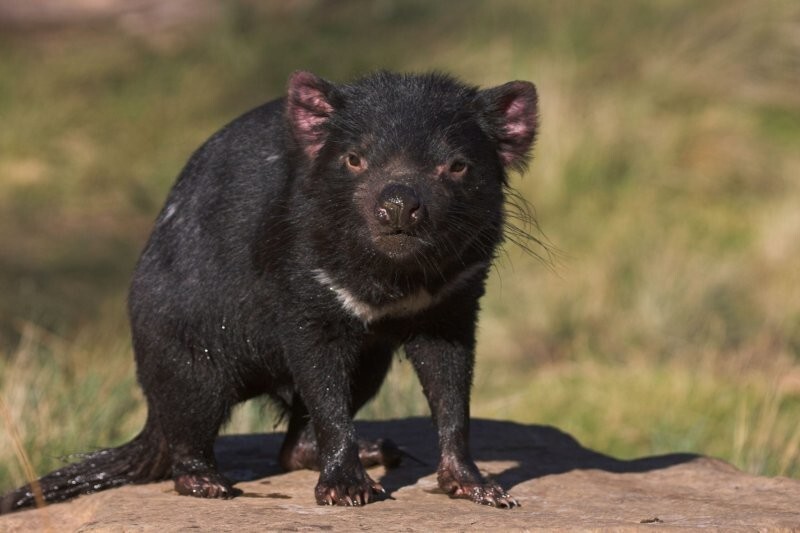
473 487
487 494
205 486
464 481
350 493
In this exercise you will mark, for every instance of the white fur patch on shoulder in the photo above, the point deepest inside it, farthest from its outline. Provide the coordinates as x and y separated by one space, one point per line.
405 306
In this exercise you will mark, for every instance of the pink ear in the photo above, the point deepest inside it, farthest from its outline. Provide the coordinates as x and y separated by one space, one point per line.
308 108
513 120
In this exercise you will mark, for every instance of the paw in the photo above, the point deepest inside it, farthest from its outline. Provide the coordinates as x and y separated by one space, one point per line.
303 455
205 486
349 492
489 493
461 479
379 452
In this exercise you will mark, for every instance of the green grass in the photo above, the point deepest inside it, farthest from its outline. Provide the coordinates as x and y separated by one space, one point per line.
666 175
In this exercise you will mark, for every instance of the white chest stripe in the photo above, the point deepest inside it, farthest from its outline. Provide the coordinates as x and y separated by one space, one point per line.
405 306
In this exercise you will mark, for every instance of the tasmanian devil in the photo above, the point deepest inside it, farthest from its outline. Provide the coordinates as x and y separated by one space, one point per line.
301 246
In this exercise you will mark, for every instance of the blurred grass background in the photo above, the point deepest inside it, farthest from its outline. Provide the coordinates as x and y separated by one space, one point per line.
667 173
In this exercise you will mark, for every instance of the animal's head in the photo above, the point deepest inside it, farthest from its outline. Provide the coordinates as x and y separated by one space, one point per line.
410 168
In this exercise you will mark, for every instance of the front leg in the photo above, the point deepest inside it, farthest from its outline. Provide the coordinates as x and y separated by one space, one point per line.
323 378
443 357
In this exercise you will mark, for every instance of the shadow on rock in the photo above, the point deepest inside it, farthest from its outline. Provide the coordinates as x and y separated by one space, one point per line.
537 451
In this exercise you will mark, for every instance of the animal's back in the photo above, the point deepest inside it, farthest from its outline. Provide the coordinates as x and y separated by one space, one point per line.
206 271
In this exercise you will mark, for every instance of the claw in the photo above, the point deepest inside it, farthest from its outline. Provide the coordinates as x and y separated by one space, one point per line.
357 494
485 494
210 485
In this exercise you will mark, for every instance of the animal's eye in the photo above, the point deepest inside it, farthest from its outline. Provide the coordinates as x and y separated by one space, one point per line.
458 167
355 162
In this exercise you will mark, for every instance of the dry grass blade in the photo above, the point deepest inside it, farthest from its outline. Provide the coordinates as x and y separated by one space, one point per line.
21 455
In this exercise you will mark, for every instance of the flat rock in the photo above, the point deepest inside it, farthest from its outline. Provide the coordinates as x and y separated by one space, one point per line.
560 484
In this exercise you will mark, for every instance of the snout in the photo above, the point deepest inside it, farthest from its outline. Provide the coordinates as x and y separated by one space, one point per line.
399 208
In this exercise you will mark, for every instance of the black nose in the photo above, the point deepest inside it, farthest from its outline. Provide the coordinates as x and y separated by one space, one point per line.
399 207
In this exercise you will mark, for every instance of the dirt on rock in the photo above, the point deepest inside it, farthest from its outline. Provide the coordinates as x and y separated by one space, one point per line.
560 484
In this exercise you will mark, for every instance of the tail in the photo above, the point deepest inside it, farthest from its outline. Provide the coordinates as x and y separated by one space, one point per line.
145 458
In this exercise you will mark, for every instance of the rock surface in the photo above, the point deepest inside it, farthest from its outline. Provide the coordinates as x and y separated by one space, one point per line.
560 484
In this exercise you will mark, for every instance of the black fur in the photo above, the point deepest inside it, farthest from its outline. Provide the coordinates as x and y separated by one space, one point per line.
301 246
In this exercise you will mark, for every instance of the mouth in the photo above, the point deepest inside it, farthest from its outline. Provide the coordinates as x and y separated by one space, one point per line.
398 244
390 232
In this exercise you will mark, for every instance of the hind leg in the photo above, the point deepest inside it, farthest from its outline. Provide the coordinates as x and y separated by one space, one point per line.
191 437
299 449
190 404
191 434
196 474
